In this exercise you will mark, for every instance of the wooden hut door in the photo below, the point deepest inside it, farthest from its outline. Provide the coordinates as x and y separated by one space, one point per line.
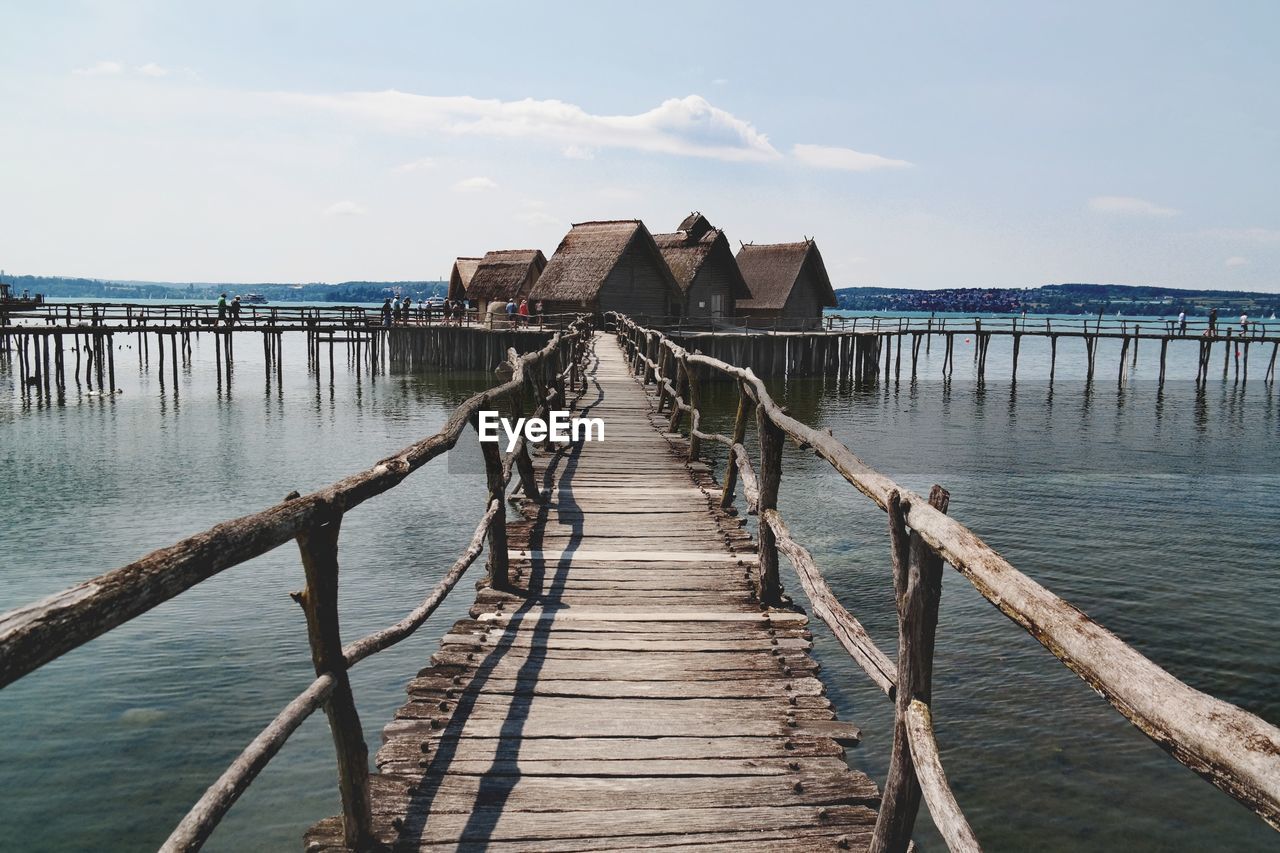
717 305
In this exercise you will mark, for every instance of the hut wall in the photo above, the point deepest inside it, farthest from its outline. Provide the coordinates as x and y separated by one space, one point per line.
804 303
713 279
635 287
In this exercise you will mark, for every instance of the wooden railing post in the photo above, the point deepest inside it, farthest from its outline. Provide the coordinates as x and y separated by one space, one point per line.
660 376
674 424
497 563
319 548
739 433
917 582
771 438
695 402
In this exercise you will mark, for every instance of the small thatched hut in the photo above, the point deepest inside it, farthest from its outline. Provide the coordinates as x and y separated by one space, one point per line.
460 277
788 283
505 274
608 266
702 262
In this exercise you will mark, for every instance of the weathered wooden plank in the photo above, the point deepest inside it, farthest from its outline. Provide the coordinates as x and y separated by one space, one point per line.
444 686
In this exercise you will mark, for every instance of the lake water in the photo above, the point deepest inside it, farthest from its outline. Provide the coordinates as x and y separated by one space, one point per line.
1156 513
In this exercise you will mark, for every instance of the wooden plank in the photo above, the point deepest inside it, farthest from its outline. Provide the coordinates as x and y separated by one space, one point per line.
443 686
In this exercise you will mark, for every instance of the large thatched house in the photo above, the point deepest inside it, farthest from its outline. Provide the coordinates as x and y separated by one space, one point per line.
505 274
702 262
460 277
788 284
608 266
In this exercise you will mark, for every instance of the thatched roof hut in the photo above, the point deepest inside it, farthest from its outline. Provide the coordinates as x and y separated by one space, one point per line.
703 264
788 283
505 274
460 276
608 266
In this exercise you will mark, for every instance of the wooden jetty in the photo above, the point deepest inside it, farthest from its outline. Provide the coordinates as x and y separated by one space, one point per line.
624 678
632 674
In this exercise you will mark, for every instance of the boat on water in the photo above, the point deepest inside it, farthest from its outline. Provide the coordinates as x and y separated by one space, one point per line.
254 299
18 303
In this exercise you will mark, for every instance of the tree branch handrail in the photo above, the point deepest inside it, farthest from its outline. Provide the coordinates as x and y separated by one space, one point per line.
947 816
1235 750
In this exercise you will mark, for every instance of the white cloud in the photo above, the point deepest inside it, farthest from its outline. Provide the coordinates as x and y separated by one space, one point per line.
688 126
1237 261
1124 205
101 69
153 70
476 184
578 152
1252 235
830 157
344 208
420 165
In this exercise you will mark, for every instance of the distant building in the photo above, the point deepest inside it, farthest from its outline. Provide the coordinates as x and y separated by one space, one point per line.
702 262
504 275
608 266
788 284
460 277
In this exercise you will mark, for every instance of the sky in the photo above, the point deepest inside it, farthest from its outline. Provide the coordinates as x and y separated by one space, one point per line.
923 145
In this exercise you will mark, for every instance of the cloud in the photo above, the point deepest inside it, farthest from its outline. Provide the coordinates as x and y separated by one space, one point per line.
1251 235
830 157
476 184
578 152
1237 261
689 126
153 70
101 69
344 208
1123 205
422 164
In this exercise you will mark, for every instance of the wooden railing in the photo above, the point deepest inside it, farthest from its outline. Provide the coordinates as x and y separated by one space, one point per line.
1235 750
254 316
32 636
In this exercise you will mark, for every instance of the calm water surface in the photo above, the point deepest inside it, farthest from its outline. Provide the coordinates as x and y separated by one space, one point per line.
1155 513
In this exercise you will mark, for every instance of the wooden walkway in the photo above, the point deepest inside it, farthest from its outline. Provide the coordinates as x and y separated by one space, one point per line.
630 693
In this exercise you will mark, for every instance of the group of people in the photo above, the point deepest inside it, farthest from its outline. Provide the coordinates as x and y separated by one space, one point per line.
395 310
1212 328
228 313
521 314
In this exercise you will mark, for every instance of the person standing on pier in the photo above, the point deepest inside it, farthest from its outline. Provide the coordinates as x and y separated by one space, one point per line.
1213 322
222 309
406 309
1244 324
386 312
524 312
235 311
1182 322
511 313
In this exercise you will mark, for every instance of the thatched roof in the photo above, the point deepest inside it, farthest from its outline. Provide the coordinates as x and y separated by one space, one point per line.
695 225
501 273
586 256
771 272
460 276
687 255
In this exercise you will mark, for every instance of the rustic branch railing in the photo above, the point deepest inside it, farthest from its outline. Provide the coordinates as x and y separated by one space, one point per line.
1235 750
32 636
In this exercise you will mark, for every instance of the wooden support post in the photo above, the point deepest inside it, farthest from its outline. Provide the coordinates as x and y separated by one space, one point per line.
673 425
1053 356
1271 365
739 433
111 361
1017 345
692 371
917 581
1164 348
497 563
319 548
771 439
1226 355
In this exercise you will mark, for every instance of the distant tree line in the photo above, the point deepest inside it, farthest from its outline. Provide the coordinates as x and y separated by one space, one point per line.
1060 299
346 291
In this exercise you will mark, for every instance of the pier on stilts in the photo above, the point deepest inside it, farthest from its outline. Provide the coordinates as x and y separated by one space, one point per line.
632 674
